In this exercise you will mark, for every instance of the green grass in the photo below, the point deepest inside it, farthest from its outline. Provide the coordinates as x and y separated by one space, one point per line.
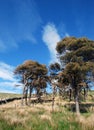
4 125
38 117
37 124
57 120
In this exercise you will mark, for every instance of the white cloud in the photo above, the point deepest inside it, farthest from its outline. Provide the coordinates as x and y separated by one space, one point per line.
62 30
50 38
6 72
9 87
7 81
10 84
19 20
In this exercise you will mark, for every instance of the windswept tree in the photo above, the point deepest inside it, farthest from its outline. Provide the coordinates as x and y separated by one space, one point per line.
32 75
77 60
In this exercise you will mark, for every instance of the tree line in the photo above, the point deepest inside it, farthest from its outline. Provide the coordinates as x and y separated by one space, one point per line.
72 73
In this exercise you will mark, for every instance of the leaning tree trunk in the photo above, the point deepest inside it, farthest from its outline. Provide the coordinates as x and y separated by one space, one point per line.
25 93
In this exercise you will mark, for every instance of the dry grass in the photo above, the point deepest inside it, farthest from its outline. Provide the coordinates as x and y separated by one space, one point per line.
45 117
16 114
9 95
87 123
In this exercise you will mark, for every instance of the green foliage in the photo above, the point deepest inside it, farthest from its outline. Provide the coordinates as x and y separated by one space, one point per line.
32 75
31 67
54 69
77 54
73 44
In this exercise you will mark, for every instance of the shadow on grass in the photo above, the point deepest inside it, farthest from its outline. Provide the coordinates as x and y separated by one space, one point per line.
84 107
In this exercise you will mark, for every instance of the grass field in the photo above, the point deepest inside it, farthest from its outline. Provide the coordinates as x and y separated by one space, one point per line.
9 95
14 116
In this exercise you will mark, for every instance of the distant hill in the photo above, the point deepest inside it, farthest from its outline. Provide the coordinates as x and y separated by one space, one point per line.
9 95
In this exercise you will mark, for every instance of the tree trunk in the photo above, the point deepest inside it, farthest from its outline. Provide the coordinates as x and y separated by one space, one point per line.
22 99
70 94
26 98
77 108
39 94
77 105
53 98
25 91
26 94
84 94
30 91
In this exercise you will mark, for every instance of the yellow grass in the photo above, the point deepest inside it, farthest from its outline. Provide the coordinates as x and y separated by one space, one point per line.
14 113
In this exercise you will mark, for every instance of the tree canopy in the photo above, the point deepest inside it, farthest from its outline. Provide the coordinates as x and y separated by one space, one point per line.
32 75
77 58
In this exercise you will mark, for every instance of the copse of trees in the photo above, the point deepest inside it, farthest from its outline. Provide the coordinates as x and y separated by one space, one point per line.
76 56
32 75
73 72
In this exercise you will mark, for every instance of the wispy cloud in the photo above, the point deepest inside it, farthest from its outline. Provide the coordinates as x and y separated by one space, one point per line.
50 38
9 87
52 35
62 30
7 80
19 20
6 72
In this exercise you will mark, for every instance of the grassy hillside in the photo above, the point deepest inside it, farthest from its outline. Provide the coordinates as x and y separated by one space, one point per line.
39 116
11 95
14 116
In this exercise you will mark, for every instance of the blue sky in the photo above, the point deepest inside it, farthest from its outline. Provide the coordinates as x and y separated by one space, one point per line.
30 29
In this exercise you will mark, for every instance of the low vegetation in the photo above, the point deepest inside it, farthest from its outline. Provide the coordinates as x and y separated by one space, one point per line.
39 116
